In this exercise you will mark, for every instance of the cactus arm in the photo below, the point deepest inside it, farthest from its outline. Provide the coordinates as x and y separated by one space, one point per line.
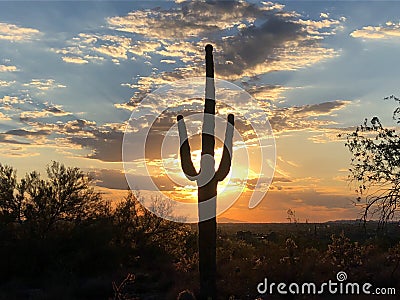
226 160
186 159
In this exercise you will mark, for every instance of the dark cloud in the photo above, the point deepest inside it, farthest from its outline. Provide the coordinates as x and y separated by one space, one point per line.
189 19
321 108
41 111
23 132
253 89
256 45
7 140
112 179
316 198
298 118
106 141
134 101
78 125
55 110
115 179
249 40
106 145
281 179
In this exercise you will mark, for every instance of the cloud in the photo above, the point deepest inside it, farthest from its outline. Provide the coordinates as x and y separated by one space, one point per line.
8 102
388 31
319 109
115 179
304 117
168 61
47 110
188 20
4 68
106 145
24 133
322 27
277 179
5 83
143 47
44 84
7 140
288 43
19 152
109 178
145 85
118 51
14 33
86 48
312 204
328 135
249 39
77 126
3 117
236 28
324 15
243 51
24 109
104 141
74 60
75 53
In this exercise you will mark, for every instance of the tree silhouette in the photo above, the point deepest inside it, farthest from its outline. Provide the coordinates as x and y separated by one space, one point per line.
11 195
56 230
138 227
66 195
375 167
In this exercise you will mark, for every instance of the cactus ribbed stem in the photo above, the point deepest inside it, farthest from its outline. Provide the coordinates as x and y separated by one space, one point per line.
207 180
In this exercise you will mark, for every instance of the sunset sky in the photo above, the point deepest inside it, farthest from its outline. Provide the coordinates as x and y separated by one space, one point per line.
72 73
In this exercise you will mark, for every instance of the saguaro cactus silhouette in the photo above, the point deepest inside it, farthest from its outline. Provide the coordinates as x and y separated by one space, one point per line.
207 179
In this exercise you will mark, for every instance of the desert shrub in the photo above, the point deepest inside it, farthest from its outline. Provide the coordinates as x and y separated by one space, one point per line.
393 258
137 229
344 254
291 247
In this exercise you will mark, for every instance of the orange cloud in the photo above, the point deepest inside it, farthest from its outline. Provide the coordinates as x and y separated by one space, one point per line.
4 68
14 33
387 31
74 60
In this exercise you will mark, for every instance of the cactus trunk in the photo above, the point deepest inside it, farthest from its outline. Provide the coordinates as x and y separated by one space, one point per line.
208 228
207 180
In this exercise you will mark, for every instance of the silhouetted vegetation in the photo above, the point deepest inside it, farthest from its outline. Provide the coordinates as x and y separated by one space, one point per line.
375 167
207 180
61 240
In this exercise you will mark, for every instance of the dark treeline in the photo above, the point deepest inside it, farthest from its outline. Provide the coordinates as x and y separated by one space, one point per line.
60 240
